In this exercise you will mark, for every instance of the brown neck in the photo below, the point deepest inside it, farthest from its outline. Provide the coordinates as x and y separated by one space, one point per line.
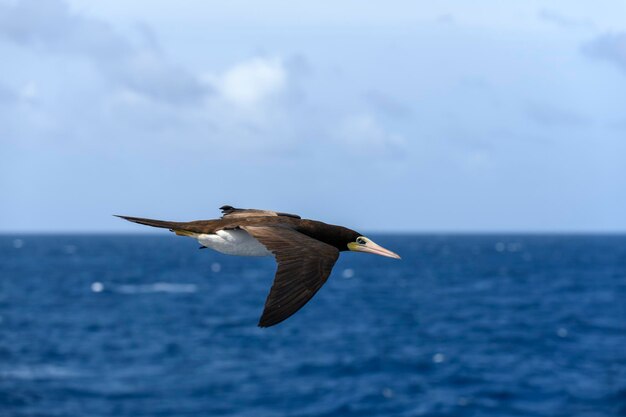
337 236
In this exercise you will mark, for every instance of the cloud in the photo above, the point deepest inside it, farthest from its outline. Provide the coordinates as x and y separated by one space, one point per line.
609 47
564 21
250 109
128 93
253 109
551 116
49 26
446 18
386 104
364 135
29 91
6 94
251 82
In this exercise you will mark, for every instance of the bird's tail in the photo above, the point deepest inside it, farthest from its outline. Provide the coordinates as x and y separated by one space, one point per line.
175 227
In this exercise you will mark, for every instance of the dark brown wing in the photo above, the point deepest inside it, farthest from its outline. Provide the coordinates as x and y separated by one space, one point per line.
230 211
211 226
304 265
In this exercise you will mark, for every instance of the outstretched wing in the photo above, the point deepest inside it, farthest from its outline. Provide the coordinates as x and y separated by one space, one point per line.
304 265
230 211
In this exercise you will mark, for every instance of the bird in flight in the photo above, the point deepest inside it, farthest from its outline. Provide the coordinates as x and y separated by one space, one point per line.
305 250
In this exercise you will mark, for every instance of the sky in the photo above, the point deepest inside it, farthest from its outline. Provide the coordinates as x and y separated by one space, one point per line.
449 116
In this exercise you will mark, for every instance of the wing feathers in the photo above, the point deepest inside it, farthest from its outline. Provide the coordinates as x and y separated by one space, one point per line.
151 222
230 211
304 265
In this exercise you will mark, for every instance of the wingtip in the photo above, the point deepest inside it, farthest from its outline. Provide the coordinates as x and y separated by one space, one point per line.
267 320
265 323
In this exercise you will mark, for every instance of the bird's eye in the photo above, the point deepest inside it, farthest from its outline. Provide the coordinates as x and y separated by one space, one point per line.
360 241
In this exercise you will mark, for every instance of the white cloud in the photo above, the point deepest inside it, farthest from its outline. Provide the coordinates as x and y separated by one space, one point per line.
252 82
136 93
363 134
29 91
51 27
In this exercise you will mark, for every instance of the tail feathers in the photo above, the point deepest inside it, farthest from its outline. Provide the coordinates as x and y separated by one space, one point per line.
175 227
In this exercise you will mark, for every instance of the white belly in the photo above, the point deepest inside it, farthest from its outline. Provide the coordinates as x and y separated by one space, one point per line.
234 242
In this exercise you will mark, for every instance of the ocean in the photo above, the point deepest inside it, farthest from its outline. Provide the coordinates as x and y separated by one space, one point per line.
463 325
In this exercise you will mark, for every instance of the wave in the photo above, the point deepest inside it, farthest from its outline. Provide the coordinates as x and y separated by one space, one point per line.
157 287
39 372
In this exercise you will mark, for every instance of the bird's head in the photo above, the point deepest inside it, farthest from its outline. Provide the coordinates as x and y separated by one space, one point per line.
363 244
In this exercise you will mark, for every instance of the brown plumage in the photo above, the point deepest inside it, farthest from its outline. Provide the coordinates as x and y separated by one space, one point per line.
305 250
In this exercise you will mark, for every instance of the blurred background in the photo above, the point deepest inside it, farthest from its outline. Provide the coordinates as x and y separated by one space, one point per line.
483 141
481 116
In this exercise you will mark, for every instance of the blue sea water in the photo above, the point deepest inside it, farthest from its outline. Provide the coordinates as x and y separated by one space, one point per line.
147 325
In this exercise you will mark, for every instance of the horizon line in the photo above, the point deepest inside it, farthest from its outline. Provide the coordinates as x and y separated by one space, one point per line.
373 232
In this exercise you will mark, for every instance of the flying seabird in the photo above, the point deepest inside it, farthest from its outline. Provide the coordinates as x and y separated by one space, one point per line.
305 250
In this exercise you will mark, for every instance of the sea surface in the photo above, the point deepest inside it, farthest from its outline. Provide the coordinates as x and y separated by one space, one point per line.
463 325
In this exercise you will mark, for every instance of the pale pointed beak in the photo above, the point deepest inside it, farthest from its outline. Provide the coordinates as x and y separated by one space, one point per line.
371 247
